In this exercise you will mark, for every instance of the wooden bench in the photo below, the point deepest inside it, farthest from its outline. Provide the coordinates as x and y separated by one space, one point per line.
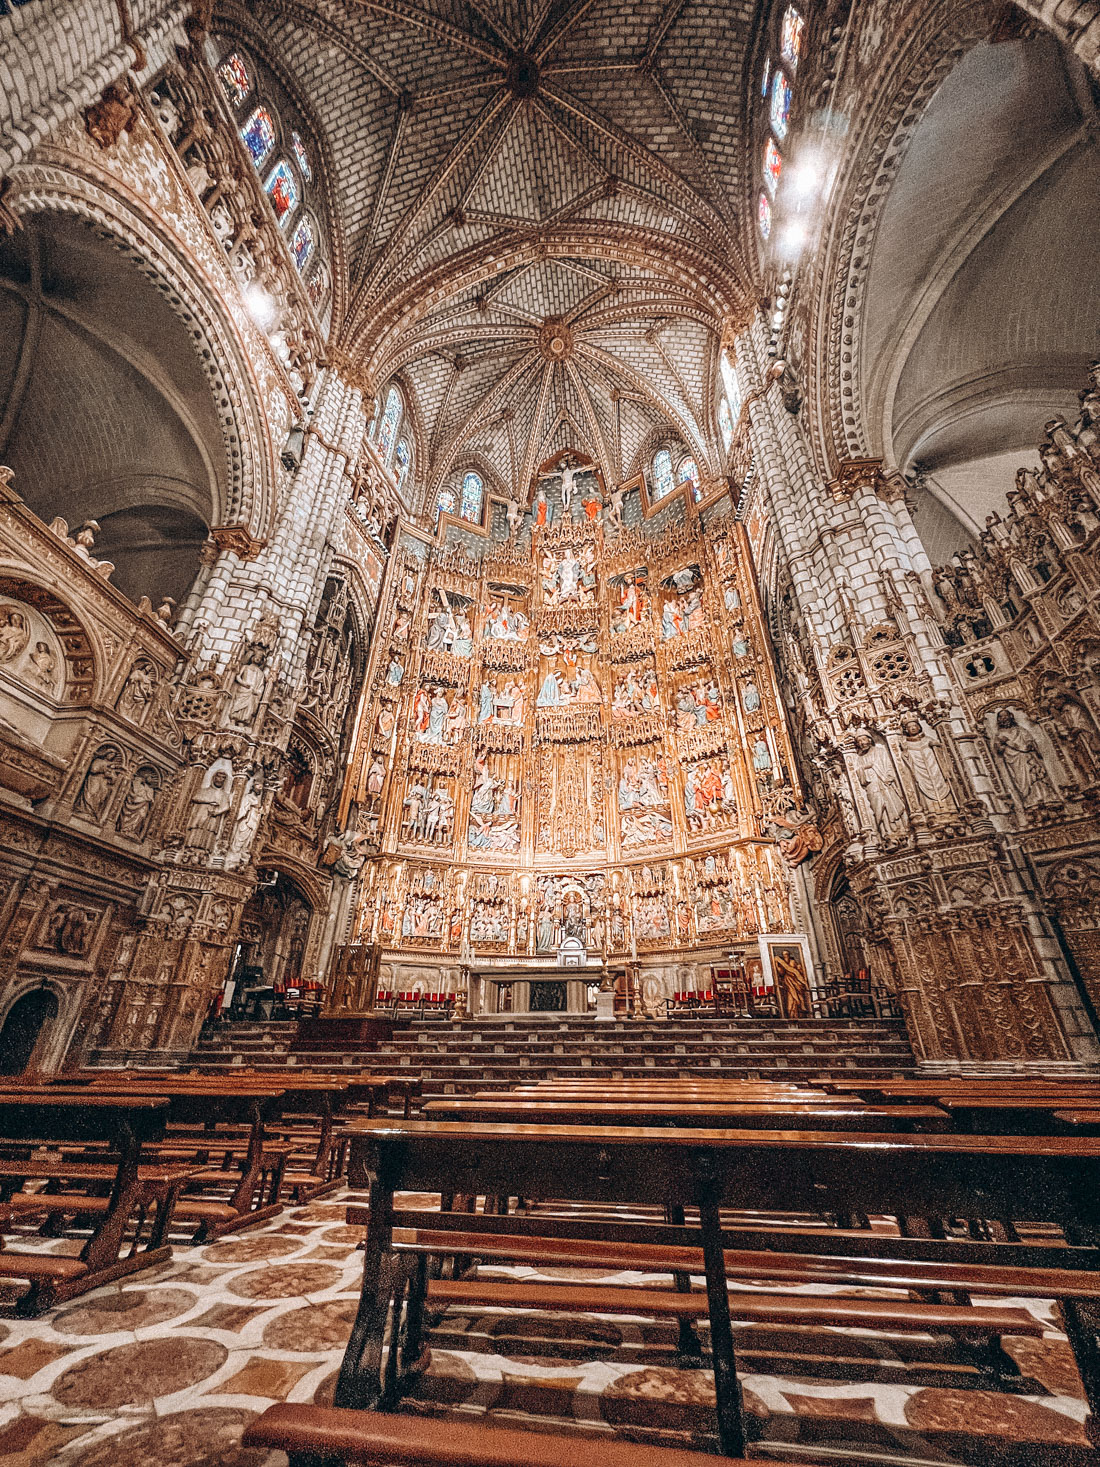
925 1175
978 1330
316 1435
251 1176
643 1112
44 1116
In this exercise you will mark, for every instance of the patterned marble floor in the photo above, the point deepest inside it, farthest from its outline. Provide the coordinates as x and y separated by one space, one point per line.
165 1368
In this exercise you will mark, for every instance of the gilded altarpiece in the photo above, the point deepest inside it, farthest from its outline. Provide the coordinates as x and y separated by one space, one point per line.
575 734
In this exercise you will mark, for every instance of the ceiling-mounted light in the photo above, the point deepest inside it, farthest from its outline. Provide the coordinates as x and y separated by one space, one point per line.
804 178
261 305
793 237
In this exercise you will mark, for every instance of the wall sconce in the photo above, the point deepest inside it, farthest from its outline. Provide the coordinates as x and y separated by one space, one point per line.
295 445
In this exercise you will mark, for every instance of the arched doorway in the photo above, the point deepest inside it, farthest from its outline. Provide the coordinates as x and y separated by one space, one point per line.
275 932
24 1029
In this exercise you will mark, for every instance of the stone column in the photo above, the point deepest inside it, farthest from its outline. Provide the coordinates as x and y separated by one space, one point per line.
235 707
949 902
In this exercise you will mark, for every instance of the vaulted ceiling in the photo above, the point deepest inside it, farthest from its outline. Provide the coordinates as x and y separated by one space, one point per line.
542 203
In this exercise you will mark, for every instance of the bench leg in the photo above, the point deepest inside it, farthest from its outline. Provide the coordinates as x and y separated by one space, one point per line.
415 1355
687 1342
41 1295
105 1244
390 1382
359 1385
1081 1330
731 1424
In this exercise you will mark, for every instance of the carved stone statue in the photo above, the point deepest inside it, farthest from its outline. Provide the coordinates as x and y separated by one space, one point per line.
136 807
209 808
246 821
14 633
918 752
1077 734
246 693
352 850
1015 746
137 695
99 783
44 664
875 772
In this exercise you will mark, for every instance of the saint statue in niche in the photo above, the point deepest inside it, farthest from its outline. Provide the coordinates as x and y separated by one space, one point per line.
1078 736
209 807
876 774
376 777
633 603
99 783
134 815
246 693
1023 760
918 751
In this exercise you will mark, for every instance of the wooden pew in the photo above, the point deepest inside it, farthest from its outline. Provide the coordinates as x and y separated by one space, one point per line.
314 1434
45 1116
366 1091
765 1114
252 1171
900 1175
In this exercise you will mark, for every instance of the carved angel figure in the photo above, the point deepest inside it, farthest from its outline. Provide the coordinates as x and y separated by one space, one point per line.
14 633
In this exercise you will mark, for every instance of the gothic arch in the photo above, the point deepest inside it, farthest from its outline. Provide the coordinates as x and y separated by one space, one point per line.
56 1032
905 83
52 184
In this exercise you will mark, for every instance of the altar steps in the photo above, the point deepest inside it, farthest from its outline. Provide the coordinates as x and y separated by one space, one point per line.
496 1054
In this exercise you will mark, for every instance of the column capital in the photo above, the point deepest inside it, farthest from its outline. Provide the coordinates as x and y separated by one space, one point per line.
854 474
238 539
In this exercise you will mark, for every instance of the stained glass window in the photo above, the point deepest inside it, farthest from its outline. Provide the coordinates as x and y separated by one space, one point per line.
446 503
781 105
790 42
663 481
689 469
725 422
302 242
233 75
402 457
259 135
764 215
302 157
391 418
282 190
732 385
773 165
766 77
471 498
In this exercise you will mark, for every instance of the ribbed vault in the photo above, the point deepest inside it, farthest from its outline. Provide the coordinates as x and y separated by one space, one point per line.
509 167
